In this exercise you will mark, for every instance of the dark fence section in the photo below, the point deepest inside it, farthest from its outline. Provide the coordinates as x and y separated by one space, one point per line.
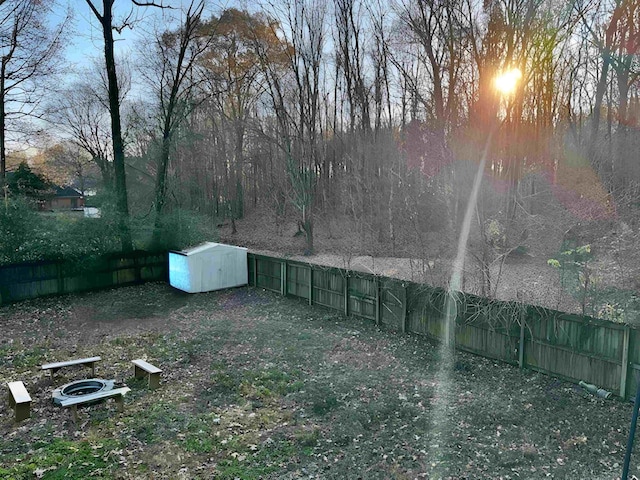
37 279
572 347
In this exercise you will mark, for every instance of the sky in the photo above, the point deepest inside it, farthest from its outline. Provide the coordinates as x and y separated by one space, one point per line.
86 33
86 44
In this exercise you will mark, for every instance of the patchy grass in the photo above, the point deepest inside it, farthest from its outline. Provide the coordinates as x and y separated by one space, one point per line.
257 386
65 459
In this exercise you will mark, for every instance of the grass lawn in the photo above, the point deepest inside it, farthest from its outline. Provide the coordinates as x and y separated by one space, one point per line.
257 386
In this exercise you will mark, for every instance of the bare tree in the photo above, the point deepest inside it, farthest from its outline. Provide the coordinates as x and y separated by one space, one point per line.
297 105
70 164
351 61
80 113
172 74
29 50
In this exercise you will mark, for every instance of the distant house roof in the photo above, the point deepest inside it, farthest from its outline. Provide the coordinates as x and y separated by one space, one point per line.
67 192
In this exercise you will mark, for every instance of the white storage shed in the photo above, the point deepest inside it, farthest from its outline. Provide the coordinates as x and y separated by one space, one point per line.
207 267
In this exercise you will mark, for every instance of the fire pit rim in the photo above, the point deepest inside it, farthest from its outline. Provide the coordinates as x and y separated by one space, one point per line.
63 392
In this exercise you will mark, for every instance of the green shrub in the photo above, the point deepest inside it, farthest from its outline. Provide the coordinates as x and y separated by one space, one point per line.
17 223
27 235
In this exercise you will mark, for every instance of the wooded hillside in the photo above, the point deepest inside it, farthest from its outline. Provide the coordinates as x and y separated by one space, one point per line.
375 115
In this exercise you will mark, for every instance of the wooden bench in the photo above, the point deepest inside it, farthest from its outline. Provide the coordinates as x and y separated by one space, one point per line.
142 368
20 400
117 393
89 362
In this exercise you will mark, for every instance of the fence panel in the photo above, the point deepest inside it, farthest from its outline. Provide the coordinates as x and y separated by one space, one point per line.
392 303
298 276
425 307
31 280
329 288
576 348
489 328
268 273
362 296
500 345
633 374
153 266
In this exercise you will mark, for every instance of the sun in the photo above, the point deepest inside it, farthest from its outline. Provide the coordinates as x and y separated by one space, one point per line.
507 80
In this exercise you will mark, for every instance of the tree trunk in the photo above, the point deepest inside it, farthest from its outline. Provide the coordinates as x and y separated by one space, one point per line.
600 91
161 186
105 171
307 226
3 152
116 129
622 170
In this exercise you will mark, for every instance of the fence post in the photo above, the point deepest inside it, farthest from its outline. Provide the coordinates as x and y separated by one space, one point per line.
521 345
624 368
255 271
283 277
310 285
346 294
377 284
405 305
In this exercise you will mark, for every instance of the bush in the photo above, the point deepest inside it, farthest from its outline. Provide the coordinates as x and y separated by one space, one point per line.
27 235
17 223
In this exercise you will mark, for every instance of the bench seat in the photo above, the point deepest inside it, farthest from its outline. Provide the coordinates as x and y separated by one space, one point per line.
20 400
89 362
117 393
143 368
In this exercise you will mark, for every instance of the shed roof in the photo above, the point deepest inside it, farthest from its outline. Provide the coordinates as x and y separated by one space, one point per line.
206 246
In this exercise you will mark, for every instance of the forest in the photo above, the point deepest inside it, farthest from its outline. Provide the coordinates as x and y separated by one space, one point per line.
360 124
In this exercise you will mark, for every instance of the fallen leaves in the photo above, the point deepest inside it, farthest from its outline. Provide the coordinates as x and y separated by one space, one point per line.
497 423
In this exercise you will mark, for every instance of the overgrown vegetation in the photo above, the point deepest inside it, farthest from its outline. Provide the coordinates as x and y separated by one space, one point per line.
29 235
577 276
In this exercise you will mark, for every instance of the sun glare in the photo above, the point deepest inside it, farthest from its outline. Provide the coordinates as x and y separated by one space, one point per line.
506 81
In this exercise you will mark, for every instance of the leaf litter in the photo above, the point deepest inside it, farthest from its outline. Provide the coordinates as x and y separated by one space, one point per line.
259 386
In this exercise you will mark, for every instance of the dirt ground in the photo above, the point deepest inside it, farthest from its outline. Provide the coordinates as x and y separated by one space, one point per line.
257 386
527 278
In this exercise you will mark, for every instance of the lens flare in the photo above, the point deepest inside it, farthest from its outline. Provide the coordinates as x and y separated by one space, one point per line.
506 82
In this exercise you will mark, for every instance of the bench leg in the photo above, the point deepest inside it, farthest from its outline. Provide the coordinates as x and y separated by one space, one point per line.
138 372
23 411
74 413
93 369
154 381
119 403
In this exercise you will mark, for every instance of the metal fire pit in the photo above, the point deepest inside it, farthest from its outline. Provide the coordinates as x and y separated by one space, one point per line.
81 388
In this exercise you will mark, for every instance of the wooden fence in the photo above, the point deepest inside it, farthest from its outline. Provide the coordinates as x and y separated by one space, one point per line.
564 345
568 346
37 279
